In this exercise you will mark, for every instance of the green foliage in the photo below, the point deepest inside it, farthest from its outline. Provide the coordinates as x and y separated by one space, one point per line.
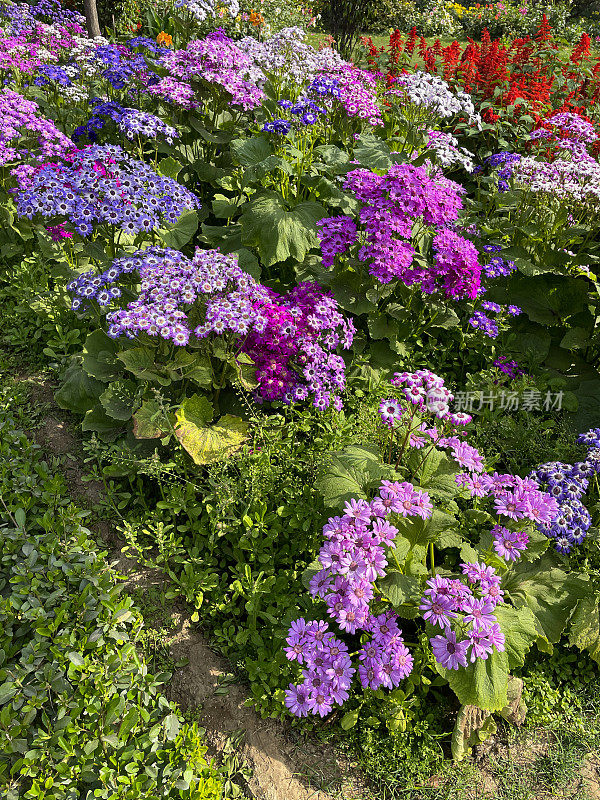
237 537
79 712
156 405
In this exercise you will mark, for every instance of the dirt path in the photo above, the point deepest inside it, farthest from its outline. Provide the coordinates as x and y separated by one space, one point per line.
280 767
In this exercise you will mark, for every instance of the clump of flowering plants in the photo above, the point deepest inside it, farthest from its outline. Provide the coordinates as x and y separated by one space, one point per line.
399 257
174 326
427 540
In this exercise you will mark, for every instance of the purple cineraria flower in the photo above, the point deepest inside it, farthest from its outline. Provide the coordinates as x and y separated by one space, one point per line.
320 583
371 675
392 204
590 439
412 502
383 531
358 510
296 647
559 511
476 572
292 339
383 627
492 592
460 418
448 652
296 699
495 636
489 306
25 135
336 235
319 701
437 610
509 545
481 644
478 612
486 325
279 126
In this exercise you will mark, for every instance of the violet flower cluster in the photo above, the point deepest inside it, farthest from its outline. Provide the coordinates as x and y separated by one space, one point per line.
490 326
217 60
119 65
25 134
292 339
393 203
514 498
24 16
104 185
426 392
568 132
496 266
481 318
568 484
290 58
129 121
451 602
506 161
508 367
304 110
352 559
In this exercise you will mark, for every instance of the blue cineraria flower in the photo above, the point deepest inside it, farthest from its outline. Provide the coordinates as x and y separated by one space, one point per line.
280 126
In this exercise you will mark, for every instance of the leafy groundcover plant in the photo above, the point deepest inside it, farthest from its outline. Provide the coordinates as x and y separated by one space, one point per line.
80 714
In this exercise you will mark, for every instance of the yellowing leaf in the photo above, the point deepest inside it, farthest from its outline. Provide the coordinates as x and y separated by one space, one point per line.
207 443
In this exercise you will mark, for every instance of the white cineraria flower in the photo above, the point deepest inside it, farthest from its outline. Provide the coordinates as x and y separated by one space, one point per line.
448 151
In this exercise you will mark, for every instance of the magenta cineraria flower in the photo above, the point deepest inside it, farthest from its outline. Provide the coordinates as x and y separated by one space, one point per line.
392 205
390 411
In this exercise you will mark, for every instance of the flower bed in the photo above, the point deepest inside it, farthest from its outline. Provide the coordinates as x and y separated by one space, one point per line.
286 295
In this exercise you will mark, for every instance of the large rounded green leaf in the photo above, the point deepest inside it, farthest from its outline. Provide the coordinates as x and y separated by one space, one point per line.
280 233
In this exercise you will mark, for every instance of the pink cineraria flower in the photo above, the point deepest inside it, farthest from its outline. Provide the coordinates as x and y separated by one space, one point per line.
467 457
